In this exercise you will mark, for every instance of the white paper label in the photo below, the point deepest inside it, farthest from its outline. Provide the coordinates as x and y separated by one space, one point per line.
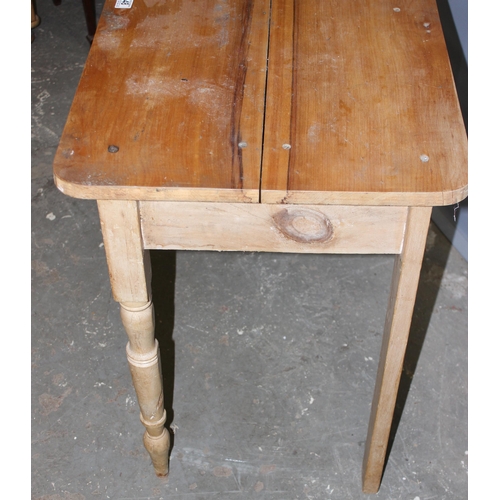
123 4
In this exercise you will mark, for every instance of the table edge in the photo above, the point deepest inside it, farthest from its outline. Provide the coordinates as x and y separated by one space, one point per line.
142 193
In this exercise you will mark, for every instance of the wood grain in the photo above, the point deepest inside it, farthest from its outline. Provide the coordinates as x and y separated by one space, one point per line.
272 228
404 286
360 105
128 263
373 118
177 89
130 275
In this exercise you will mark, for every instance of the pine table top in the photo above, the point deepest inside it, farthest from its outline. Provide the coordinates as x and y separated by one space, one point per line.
326 102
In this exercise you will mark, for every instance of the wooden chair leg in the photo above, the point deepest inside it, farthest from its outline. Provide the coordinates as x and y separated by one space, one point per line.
398 320
90 18
130 275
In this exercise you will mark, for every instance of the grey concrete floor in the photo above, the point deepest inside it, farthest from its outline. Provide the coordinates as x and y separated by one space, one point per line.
269 360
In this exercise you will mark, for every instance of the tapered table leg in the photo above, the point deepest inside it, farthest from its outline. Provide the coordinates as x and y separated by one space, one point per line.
130 275
398 320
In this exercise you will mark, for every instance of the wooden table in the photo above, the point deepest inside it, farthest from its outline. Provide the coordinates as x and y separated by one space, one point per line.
291 126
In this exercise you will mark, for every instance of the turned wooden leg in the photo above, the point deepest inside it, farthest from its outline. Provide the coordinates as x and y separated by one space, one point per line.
398 320
144 361
130 275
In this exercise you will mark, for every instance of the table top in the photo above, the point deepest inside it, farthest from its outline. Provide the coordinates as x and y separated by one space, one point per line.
325 102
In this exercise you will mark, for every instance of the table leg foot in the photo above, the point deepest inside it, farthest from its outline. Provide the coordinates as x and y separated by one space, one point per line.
157 447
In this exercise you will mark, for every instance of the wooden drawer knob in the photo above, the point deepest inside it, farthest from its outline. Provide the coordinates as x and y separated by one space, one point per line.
303 225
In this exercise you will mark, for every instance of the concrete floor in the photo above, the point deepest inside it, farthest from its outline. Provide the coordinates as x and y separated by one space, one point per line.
269 360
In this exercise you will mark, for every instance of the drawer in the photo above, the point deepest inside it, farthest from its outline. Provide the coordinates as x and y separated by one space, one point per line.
272 228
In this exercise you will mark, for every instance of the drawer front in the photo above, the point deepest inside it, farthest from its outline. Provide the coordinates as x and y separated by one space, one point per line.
272 228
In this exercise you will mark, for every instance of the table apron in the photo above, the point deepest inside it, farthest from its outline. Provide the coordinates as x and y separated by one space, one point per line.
330 229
